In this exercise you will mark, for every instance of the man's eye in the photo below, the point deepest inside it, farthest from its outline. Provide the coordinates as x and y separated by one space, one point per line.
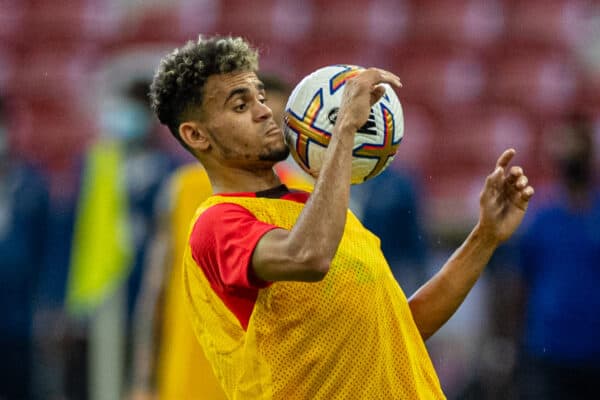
263 100
240 107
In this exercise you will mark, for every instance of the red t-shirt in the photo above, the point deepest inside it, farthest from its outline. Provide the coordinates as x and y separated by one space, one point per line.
222 242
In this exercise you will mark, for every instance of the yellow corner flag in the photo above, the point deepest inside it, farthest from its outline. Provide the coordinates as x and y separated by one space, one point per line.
101 251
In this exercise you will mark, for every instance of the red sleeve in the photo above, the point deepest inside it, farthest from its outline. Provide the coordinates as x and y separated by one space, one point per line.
222 242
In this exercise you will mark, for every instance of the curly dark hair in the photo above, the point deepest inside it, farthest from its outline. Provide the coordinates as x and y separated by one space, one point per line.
177 87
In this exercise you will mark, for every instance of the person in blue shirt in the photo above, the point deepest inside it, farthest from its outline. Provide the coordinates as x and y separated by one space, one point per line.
560 271
23 225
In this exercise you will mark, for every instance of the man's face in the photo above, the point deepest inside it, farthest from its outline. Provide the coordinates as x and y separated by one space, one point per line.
239 124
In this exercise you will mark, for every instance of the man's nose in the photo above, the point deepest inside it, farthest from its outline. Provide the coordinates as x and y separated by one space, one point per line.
263 111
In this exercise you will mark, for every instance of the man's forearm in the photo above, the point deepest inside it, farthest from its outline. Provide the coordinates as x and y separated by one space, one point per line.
438 299
324 215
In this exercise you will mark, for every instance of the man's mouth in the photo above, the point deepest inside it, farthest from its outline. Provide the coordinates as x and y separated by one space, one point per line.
273 131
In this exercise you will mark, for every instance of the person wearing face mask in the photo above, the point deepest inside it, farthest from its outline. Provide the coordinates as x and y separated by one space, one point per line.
141 165
559 267
24 207
123 171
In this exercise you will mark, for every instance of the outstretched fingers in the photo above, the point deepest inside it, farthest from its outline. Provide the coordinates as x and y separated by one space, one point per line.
384 76
504 198
376 76
373 78
512 185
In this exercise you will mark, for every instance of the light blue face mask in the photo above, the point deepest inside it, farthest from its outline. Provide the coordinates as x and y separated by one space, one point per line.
125 120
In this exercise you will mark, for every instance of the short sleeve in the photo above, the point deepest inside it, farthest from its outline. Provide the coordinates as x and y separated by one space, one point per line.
222 242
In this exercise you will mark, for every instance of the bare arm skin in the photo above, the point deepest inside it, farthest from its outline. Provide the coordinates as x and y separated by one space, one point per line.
503 202
295 254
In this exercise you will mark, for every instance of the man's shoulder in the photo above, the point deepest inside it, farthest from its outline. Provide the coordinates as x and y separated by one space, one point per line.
219 212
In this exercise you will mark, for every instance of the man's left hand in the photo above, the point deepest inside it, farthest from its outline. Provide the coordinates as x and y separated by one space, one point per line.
503 200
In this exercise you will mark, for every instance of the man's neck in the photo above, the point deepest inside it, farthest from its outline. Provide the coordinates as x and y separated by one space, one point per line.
230 180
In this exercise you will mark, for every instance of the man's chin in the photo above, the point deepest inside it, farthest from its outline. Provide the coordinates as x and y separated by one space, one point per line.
276 155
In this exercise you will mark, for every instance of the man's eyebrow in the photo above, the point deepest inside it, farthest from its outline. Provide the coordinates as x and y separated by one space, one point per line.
235 92
243 91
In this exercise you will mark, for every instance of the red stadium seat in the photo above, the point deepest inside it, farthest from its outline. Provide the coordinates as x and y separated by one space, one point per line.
79 21
255 22
464 151
542 83
11 21
152 25
464 22
470 142
367 33
390 23
7 67
47 71
556 23
420 130
337 20
322 53
51 131
441 79
382 23
171 22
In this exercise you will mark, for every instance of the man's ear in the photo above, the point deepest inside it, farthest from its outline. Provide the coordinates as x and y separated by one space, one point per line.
194 135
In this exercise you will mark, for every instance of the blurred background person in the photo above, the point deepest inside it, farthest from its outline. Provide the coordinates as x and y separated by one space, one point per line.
559 269
167 362
124 169
24 208
145 168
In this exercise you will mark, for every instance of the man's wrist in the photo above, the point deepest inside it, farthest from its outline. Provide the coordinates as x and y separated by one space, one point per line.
485 236
345 127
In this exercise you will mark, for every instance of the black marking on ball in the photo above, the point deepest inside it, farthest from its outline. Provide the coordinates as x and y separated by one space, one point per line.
369 128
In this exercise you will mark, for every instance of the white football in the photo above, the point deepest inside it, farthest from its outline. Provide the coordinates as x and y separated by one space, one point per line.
311 113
